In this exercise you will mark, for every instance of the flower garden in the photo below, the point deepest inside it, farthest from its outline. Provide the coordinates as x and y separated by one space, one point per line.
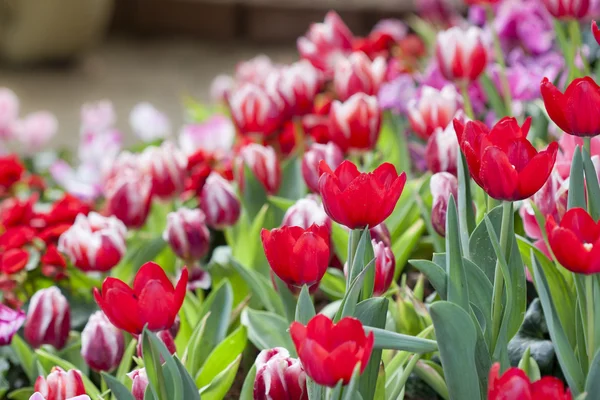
412 214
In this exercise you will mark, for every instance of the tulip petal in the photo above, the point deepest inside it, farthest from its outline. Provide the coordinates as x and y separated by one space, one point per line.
581 111
298 333
156 306
555 103
548 387
385 174
342 360
568 250
583 226
498 176
346 173
180 290
315 360
151 271
319 328
536 172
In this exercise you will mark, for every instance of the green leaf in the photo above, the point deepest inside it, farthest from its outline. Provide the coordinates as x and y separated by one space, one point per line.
248 387
566 357
358 260
222 356
371 312
292 183
190 391
260 287
351 390
288 300
433 375
492 94
118 390
529 366
305 308
282 203
173 378
466 214
397 341
333 284
576 183
456 338
156 378
592 384
593 188
191 356
140 251
125 364
21 394
435 274
351 298
254 195
480 295
393 143
339 238
267 330
405 245
458 292
220 385
26 357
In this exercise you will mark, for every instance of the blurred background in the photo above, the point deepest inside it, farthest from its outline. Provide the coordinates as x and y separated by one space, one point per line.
58 54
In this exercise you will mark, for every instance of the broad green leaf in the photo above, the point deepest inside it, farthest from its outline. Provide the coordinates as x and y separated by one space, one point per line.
493 96
576 183
351 298
190 391
282 203
339 239
529 366
592 384
433 375
292 183
593 188
26 357
248 387
288 300
267 330
260 287
305 308
371 312
254 195
397 341
125 364
118 390
435 274
358 259
458 292
466 214
333 284
221 384
173 378
393 143
21 394
480 295
403 247
222 356
351 390
156 377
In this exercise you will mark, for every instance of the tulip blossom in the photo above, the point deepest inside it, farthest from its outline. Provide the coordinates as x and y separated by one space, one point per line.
442 185
48 318
502 161
434 109
297 85
198 279
10 323
442 150
53 264
278 376
326 43
330 352
94 242
9 112
152 300
355 124
575 242
574 111
128 197
13 261
102 344
255 111
39 396
219 202
255 70
140 382
515 384
461 54
11 171
358 74
167 167
567 9
385 266
329 152
349 195
187 233
596 31
263 163
60 384
215 136
36 130
306 212
148 123
381 233
297 256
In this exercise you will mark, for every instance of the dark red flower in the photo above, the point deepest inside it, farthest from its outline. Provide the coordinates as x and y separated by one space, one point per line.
15 238
575 111
596 31
152 301
356 199
297 256
576 241
11 171
64 211
329 352
514 384
53 264
15 212
13 261
567 9
502 161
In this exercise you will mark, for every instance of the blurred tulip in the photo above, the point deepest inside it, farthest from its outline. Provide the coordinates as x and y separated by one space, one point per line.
596 31
53 264
329 152
306 212
198 279
358 74
11 171
381 233
278 376
355 124
128 197
36 130
515 384
10 323
441 185
254 111
385 267
461 55
567 9
140 382
98 117
148 123
167 166
13 261
39 396
220 88
102 344
297 85
9 112
434 109
263 163
48 319
442 150
94 242
61 385
215 136
255 70
219 202
187 233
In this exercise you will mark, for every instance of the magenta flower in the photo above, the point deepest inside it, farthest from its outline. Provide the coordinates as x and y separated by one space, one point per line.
10 322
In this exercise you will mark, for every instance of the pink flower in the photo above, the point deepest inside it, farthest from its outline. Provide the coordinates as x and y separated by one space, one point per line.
61 385
358 74
297 85
10 322
278 376
36 130
220 88
255 111
140 382
219 202
128 197
214 136
461 54
329 152
256 70
306 212
102 344
433 109
385 266
148 123
167 167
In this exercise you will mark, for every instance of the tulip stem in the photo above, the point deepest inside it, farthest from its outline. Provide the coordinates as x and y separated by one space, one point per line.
575 34
353 240
500 59
566 49
466 100
589 300
408 369
497 308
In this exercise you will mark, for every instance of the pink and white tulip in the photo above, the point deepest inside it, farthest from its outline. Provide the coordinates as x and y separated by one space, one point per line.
385 266
36 130
461 54
140 382
305 212
358 74
187 234
128 197
263 163
166 164
278 376
48 318
355 124
10 323
442 150
433 109
102 344
442 185
297 85
255 111
61 385
329 152
219 202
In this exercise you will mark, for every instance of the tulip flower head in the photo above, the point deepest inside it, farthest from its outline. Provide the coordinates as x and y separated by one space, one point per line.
441 185
461 54
278 376
442 150
219 202
166 164
10 322
355 123
329 152
60 384
306 212
48 318
358 74
263 162
255 111
102 344
187 233
433 109
567 9
596 31
140 382
515 384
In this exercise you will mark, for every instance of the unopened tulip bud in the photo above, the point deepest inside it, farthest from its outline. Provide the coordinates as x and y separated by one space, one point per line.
461 54
60 384
381 233
167 166
355 123
187 233
263 163
442 150
128 197
48 319
358 74
219 202
329 152
306 212
102 344
278 376
140 382
442 185
432 110
385 266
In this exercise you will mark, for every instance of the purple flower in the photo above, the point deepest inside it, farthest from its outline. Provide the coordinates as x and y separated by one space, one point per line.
396 94
524 23
477 16
10 322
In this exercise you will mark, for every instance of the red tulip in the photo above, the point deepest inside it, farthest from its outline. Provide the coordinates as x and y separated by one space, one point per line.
254 111
481 2
278 376
434 109
306 212
441 185
329 352
60 384
48 318
53 264
576 241
567 9
297 85
10 323
94 242
15 212
356 199
219 202
13 261
515 384
140 382
17 237
264 164
128 197
502 161
461 54
574 111
152 301
358 74
355 124
187 233
385 266
596 31
102 344
255 70
297 256
11 171
329 152
166 164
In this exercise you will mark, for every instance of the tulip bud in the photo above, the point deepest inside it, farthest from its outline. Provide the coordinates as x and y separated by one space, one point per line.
305 212
10 322
220 88
128 197
434 109
254 111
198 279
329 152
148 123
442 150
219 202
297 85
461 54
165 336
187 233
214 137
102 344
140 382
94 242
167 166
596 31
278 376
442 185
567 9
9 112
354 124
36 130
358 74
264 164
385 266
255 70
48 319
60 384
381 233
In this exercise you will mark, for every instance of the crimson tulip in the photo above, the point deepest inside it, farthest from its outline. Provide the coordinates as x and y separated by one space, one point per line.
502 161
255 111
219 202
10 322
596 31
567 9
48 318
102 344
574 111
166 164
278 376
358 74
330 352
356 199
11 171
329 152
297 256
355 124
60 384
433 109
128 197
575 242
461 54
152 300
514 384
